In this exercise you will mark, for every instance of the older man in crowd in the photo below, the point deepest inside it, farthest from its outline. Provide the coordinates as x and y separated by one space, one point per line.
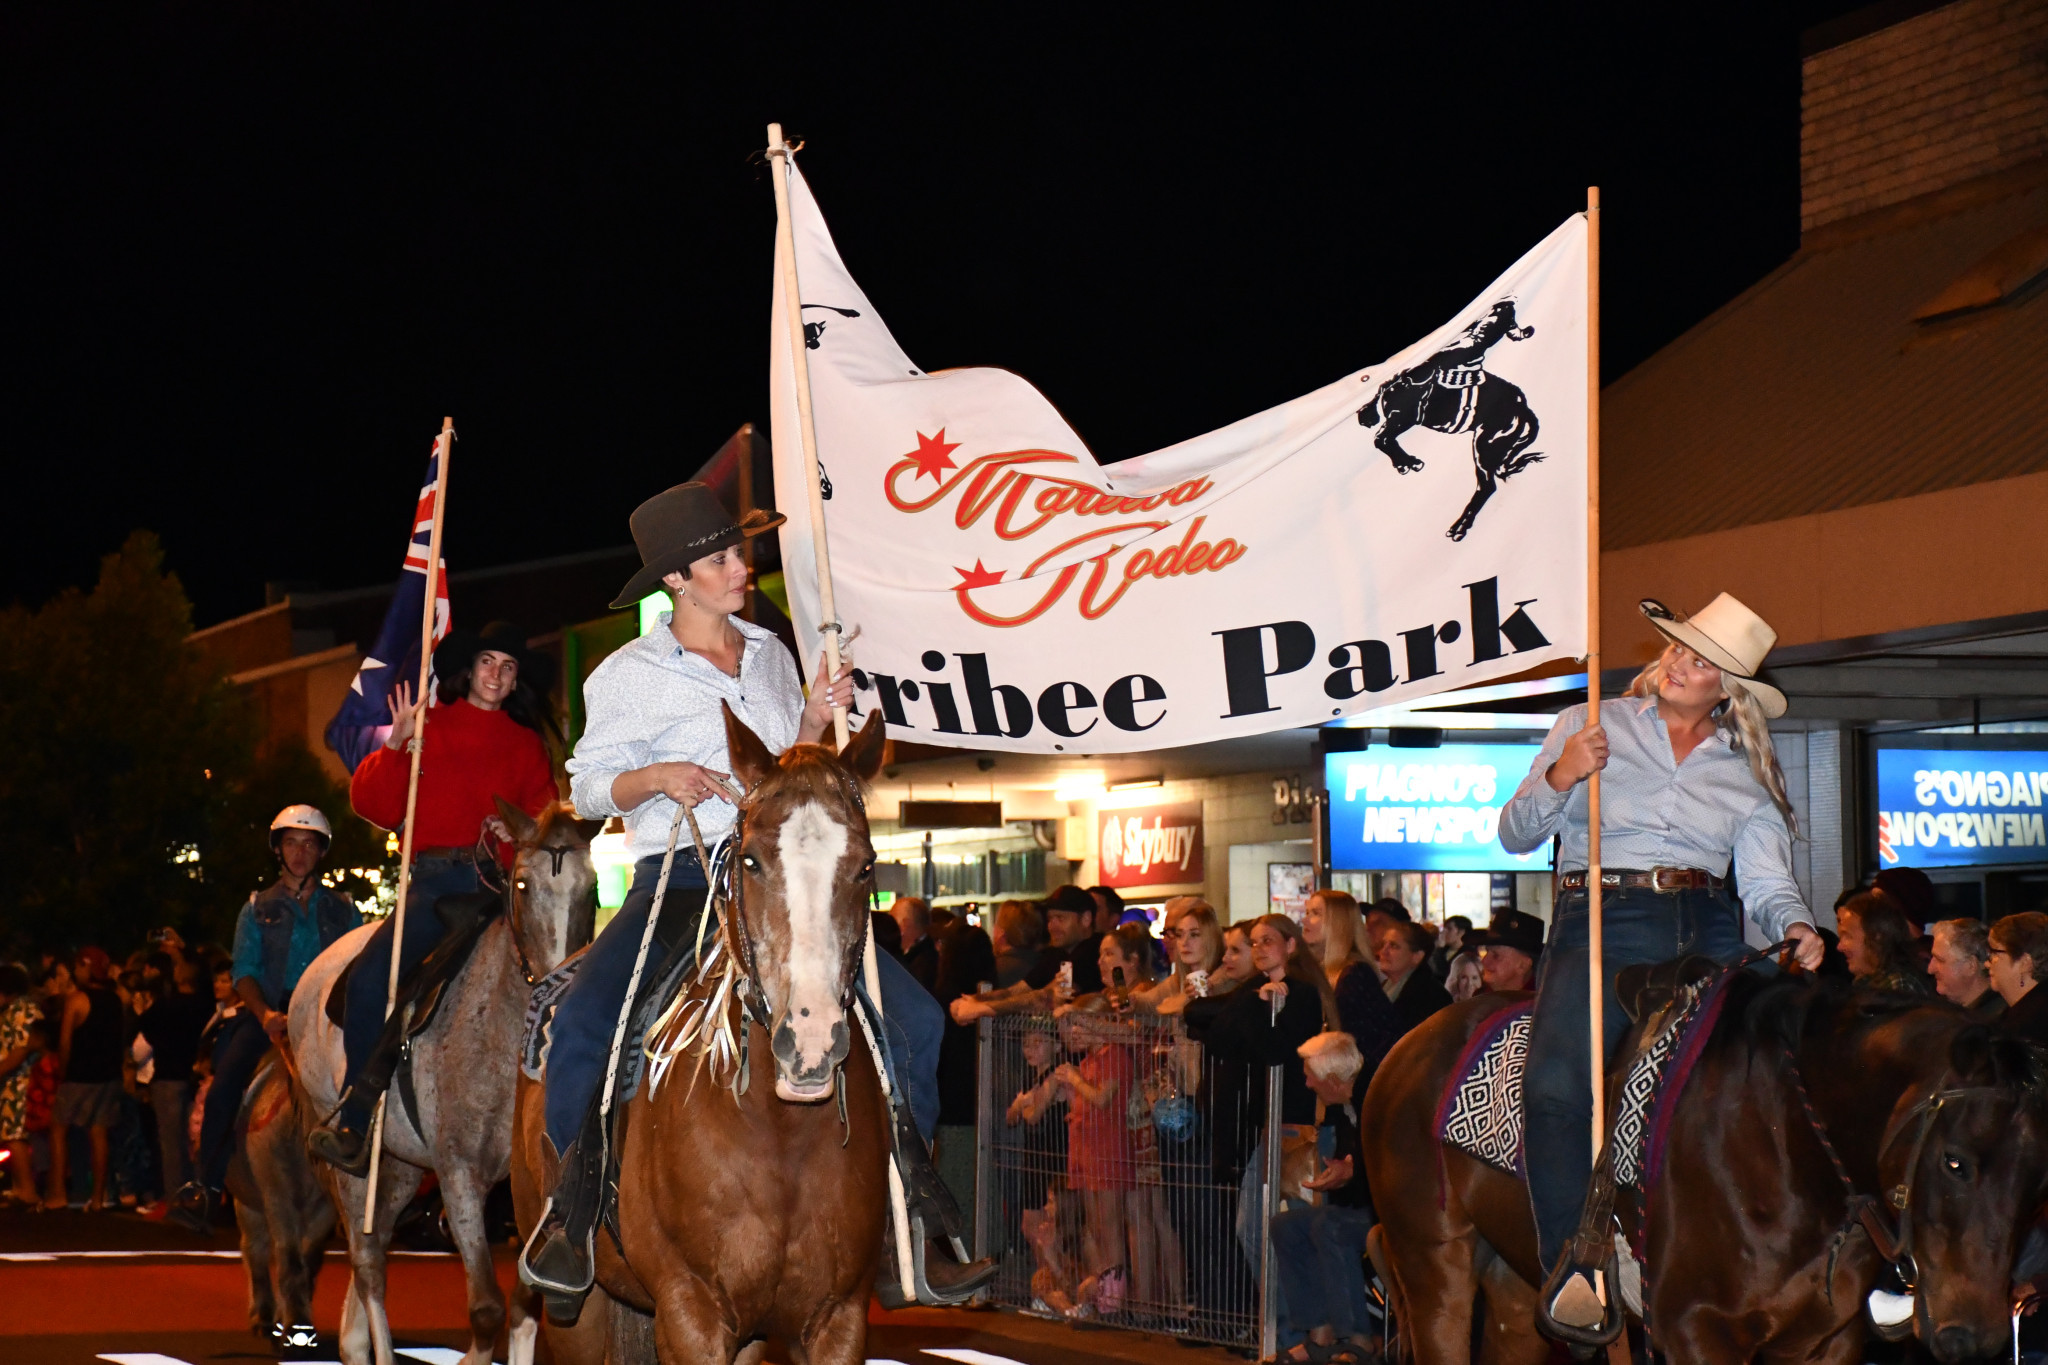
918 953
1508 950
1961 967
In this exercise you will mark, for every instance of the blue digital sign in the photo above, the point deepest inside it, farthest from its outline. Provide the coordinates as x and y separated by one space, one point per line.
1961 807
1427 810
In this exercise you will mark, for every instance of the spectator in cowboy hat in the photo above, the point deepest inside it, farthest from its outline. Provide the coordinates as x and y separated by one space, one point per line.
1508 950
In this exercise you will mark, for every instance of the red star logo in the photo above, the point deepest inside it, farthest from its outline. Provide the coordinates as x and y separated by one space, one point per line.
976 577
932 454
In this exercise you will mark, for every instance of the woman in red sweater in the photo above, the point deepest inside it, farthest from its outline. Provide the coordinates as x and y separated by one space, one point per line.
482 742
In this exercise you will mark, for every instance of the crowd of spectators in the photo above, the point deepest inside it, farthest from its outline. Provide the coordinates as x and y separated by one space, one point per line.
117 1056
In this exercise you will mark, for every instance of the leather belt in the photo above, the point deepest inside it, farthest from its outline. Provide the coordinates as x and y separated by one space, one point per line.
1656 879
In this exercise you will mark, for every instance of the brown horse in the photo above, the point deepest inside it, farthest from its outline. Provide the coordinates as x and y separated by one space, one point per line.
750 1210
281 1207
1751 1249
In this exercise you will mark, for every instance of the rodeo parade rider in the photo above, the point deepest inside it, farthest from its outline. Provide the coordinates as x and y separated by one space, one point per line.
1691 782
278 934
655 736
484 742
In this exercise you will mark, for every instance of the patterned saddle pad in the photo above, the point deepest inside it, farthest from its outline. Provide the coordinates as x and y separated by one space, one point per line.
1481 1111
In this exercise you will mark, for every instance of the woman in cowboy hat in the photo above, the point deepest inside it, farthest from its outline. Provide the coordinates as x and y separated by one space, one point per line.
655 736
486 741
1691 783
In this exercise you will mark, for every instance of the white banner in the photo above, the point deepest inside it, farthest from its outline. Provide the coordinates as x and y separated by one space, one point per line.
1412 527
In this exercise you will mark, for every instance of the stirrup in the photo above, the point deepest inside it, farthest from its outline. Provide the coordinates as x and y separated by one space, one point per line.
562 1299
1597 1282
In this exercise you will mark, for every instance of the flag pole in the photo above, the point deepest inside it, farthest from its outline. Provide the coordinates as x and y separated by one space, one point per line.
444 446
1595 957
785 251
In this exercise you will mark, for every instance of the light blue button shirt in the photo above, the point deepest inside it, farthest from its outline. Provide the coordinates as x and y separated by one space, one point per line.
656 702
1657 812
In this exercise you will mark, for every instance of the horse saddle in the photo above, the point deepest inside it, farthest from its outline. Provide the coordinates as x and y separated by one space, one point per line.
1648 987
464 917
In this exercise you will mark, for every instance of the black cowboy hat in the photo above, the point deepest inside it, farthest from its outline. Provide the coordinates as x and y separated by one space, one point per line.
677 527
460 647
1510 929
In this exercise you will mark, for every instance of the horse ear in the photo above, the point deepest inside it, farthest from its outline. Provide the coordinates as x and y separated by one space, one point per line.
863 753
751 761
518 821
588 829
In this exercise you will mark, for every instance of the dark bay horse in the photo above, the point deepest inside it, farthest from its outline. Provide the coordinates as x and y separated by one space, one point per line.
1751 1249
1453 393
748 1210
282 1209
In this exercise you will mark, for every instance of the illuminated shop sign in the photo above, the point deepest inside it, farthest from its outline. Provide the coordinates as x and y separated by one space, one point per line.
1427 810
1961 807
1150 845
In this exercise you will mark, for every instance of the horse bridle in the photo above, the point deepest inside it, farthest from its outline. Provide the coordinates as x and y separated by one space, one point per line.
512 894
1894 1241
727 881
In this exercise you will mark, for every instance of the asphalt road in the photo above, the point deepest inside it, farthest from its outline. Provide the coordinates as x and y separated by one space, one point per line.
76 1289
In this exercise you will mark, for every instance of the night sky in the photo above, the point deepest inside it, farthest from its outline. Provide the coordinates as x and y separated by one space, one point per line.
252 252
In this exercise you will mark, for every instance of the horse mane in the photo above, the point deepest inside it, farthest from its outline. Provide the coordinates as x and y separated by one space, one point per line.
1786 1009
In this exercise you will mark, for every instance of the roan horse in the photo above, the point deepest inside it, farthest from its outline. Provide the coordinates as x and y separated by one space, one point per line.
465 1064
749 1210
1452 392
1752 1248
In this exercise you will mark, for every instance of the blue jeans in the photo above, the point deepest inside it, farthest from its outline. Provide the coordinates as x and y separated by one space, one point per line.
369 984
1637 926
237 1051
580 1037
1319 1253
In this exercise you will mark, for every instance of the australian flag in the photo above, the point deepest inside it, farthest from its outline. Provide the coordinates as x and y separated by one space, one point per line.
365 715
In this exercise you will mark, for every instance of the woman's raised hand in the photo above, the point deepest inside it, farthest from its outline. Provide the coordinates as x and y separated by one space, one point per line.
1274 990
405 716
686 784
826 697
1585 753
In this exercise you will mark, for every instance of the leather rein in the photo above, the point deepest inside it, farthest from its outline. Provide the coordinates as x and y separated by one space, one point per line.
515 894
1894 1242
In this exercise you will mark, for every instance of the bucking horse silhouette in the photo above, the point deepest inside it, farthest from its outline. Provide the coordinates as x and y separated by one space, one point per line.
1451 392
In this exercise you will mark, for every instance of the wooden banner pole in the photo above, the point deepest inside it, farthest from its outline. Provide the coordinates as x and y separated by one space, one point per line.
1595 957
785 252
444 446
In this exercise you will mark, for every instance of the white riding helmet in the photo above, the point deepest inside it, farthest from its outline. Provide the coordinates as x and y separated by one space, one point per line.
301 817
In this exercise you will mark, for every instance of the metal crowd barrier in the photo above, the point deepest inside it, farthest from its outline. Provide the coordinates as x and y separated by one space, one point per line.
1134 1212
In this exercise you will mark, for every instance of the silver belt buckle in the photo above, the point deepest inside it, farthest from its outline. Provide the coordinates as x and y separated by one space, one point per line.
1610 879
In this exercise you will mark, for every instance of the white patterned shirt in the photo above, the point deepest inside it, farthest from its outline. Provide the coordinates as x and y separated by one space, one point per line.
656 702
1657 812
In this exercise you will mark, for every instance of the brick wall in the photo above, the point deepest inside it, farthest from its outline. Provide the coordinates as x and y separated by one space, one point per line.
1940 98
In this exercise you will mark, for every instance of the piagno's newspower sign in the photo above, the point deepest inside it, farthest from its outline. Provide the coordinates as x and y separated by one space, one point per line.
1150 845
1413 526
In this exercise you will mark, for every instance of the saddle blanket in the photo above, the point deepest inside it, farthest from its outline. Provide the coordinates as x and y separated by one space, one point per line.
1481 1113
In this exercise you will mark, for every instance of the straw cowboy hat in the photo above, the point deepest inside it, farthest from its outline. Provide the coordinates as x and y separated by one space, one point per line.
676 528
1728 635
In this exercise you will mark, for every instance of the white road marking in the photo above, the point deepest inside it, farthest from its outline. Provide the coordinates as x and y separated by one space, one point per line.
199 1255
112 1255
969 1357
143 1358
432 1355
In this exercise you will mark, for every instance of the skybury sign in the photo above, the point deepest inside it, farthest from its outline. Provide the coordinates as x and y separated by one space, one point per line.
1150 845
1961 807
1410 527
